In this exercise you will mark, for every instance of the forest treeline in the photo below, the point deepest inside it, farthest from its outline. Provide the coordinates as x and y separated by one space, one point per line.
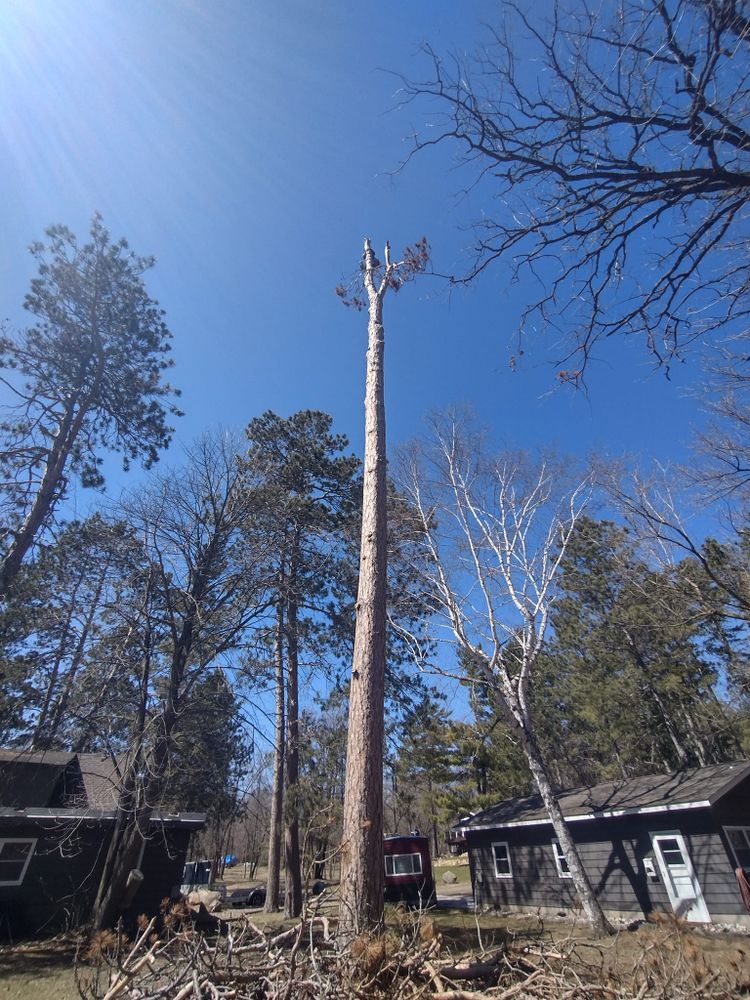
242 567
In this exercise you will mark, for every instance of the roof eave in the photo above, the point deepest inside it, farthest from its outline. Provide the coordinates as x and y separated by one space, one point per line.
604 814
38 814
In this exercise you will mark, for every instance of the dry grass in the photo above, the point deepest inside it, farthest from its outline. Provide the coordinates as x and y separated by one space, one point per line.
39 970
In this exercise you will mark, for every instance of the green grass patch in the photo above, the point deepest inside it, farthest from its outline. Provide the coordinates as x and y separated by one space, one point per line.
461 872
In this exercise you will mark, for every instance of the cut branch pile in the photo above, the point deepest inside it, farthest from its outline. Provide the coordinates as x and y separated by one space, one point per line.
307 962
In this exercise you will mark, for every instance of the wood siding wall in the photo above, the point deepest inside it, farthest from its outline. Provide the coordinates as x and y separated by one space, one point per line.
612 852
63 875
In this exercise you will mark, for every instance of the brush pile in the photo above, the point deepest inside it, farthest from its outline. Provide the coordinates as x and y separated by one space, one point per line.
306 962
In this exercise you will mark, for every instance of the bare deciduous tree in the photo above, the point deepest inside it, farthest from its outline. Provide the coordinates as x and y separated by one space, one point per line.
496 530
203 587
615 144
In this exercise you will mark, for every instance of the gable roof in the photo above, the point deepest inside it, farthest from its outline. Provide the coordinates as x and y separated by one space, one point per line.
693 788
48 785
35 778
101 779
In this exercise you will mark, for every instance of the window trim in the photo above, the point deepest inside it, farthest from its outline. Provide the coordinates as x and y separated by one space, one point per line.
559 855
746 831
408 854
506 845
19 840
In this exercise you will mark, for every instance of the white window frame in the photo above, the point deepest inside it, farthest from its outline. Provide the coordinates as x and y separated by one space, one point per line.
18 840
392 858
559 855
506 845
743 829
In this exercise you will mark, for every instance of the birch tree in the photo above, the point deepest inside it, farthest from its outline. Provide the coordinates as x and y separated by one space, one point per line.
495 530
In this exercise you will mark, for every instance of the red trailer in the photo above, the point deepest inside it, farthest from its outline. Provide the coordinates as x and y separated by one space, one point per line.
408 869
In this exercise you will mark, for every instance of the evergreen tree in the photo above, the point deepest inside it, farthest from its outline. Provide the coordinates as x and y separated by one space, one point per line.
88 376
307 494
626 679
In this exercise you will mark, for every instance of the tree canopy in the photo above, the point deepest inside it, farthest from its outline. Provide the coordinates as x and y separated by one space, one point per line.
87 377
615 144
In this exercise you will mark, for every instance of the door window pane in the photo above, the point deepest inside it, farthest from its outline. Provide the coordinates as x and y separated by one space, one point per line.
670 851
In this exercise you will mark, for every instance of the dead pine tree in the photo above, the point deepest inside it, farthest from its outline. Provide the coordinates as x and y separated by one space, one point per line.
361 907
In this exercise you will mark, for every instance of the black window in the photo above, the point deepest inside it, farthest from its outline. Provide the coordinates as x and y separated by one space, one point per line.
561 861
501 856
739 841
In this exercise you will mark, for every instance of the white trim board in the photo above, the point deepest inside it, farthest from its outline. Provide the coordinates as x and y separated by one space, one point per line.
604 814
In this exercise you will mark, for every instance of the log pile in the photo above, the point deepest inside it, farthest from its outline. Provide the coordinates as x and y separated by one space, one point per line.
306 962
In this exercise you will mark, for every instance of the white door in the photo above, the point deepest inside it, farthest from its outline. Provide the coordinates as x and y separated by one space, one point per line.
677 872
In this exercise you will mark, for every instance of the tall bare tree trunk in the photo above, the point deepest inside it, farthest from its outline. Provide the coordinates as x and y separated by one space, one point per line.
277 796
293 880
361 908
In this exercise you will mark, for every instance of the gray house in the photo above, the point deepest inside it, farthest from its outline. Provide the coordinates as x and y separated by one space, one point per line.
665 842
57 814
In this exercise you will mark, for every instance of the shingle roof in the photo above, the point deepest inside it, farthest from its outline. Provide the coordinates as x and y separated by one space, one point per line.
34 778
52 786
100 779
689 788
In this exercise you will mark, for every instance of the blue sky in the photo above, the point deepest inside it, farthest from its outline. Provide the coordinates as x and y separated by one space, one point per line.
250 146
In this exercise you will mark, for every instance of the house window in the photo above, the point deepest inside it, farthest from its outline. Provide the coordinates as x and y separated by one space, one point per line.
739 841
561 861
501 855
403 864
15 855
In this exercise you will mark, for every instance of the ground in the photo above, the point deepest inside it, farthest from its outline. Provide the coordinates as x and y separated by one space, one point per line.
44 970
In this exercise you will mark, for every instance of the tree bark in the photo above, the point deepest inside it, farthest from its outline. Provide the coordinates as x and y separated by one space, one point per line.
584 889
361 907
293 880
540 773
277 795
63 441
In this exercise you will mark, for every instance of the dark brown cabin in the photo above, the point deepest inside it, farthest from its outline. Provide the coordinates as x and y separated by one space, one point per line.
57 813
664 842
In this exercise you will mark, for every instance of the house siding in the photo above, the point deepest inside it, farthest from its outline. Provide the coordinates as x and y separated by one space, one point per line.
63 875
612 852
60 880
162 865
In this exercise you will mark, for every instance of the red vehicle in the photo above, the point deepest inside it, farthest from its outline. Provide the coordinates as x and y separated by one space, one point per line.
408 869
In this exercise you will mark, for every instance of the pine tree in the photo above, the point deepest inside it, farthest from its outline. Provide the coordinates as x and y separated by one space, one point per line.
88 376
